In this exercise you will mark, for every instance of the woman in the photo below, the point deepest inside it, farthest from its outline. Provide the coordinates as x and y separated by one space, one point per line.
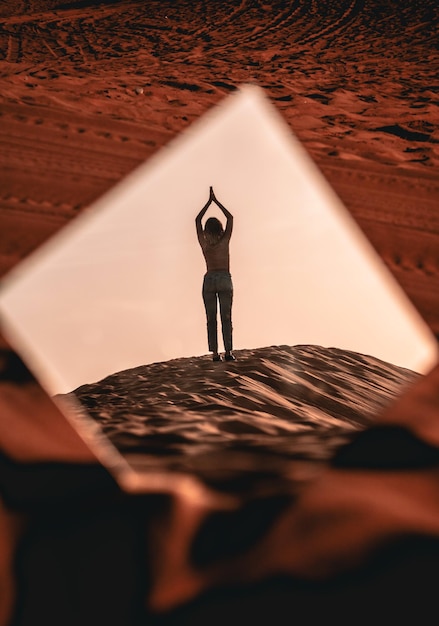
217 284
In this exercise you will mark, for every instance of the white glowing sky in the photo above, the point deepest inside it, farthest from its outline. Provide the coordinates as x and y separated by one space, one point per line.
121 285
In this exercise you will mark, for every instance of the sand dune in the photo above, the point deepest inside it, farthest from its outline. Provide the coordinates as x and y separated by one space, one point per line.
296 469
215 420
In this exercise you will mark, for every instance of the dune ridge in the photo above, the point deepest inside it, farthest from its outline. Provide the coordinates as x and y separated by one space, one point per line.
272 405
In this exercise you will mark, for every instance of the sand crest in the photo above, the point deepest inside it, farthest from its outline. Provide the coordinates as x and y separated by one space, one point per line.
217 420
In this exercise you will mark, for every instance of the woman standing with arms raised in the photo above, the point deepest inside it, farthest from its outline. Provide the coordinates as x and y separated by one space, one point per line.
217 283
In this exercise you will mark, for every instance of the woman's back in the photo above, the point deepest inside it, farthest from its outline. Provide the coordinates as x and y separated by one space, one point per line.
217 255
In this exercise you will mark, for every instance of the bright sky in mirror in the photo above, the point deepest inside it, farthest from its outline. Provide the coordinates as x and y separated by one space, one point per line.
121 285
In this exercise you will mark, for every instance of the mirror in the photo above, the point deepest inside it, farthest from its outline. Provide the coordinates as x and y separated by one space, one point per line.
109 314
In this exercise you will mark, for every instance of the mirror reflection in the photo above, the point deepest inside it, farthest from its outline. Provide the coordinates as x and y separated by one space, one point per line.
243 383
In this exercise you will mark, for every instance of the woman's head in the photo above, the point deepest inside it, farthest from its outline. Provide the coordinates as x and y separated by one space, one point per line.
213 230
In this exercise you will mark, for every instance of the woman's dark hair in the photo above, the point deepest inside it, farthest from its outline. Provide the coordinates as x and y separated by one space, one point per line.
213 230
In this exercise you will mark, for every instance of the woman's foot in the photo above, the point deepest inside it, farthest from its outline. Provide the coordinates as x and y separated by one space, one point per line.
229 356
216 357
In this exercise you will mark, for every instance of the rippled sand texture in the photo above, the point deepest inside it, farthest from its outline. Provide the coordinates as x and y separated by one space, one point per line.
89 90
272 405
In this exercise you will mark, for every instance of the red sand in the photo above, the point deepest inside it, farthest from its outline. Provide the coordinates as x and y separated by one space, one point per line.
90 90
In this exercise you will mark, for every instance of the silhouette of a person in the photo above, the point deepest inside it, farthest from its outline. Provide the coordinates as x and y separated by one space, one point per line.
217 283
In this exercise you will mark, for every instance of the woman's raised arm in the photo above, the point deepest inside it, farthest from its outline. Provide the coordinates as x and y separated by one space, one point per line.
201 215
229 216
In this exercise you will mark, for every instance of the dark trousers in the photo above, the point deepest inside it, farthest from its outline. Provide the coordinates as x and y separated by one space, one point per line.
218 287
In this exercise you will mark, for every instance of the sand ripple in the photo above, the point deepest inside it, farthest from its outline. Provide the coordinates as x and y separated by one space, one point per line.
271 406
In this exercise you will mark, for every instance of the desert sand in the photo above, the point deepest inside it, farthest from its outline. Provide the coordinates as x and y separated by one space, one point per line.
275 416
91 89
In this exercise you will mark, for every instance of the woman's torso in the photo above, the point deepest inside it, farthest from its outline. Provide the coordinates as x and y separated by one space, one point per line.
217 255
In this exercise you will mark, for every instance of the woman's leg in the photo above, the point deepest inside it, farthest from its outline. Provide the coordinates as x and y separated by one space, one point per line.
225 296
210 304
